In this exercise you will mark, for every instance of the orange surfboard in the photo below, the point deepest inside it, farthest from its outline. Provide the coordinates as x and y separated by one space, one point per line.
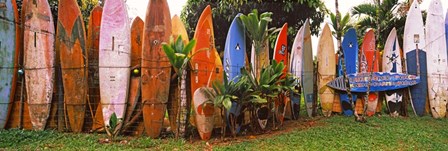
156 68
281 55
71 44
93 44
207 67
366 63
135 82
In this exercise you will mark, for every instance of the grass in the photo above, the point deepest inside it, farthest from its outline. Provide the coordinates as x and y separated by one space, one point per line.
335 133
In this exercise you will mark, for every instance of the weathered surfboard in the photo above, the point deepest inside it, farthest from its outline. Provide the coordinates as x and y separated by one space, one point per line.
39 56
350 48
437 59
156 68
326 63
204 112
114 59
178 29
308 70
234 61
295 69
281 55
392 64
93 44
135 81
381 81
71 45
415 56
9 51
369 63
206 63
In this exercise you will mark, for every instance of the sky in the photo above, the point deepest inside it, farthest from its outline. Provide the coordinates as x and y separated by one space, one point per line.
138 8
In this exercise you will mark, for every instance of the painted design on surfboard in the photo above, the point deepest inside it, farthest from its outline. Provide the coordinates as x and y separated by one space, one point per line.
9 57
392 63
71 38
381 81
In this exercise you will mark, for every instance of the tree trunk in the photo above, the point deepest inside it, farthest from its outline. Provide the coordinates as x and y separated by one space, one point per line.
182 120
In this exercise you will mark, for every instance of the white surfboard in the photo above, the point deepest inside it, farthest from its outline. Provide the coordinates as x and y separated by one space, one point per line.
437 59
413 45
392 63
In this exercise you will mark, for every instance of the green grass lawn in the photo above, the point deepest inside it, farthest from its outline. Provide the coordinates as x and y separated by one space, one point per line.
335 133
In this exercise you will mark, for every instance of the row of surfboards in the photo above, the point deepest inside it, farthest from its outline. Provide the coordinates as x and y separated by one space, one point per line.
424 71
113 45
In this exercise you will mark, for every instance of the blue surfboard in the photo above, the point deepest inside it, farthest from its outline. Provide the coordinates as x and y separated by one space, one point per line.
9 56
419 91
350 48
234 61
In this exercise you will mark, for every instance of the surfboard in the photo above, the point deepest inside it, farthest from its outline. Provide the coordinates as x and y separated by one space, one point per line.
260 60
114 59
326 63
206 63
295 69
415 56
93 43
178 29
39 56
392 64
350 48
71 44
204 112
369 63
437 59
135 80
156 68
281 55
9 50
234 61
308 70
381 81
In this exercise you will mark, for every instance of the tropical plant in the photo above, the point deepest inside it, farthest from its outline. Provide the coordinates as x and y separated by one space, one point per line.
268 87
257 28
340 25
178 55
258 33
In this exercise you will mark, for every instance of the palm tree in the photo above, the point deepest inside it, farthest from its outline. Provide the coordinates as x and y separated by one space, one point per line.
382 16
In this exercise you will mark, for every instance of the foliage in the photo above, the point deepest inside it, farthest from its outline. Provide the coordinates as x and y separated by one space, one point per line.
257 28
177 53
382 16
344 24
225 10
